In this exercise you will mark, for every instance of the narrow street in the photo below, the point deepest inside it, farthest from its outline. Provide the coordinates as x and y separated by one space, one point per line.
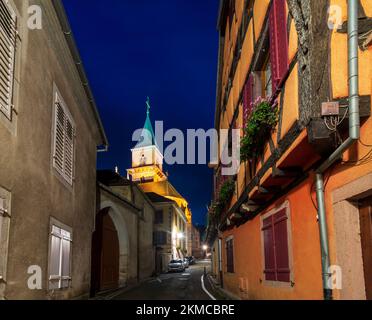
172 286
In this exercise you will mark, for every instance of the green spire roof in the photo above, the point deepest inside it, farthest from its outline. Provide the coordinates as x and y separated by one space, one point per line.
147 134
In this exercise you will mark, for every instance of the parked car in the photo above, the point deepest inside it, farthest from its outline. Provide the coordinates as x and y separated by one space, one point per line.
176 265
191 260
186 262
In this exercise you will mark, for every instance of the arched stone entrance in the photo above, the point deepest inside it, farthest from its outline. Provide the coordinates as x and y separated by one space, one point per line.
110 250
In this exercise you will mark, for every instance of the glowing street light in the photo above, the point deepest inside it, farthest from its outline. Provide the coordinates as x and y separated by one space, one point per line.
205 247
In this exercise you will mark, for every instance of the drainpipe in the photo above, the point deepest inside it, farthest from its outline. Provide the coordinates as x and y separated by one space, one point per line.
354 135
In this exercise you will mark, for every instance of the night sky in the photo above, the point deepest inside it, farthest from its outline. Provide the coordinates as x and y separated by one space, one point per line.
164 49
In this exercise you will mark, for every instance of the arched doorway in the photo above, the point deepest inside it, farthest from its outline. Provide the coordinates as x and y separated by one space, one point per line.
109 255
105 253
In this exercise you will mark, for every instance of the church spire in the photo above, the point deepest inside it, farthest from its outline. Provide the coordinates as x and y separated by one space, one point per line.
147 134
148 105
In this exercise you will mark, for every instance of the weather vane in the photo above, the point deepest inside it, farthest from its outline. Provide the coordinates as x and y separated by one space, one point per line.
148 105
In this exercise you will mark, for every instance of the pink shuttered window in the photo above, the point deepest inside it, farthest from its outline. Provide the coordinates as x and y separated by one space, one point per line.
278 42
247 100
230 256
275 237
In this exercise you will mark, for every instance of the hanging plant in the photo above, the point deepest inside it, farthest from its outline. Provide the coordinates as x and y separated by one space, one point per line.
262 121
226 192
218 206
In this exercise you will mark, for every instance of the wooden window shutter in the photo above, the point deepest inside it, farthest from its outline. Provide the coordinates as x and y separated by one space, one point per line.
269 249
2 211
69 150
278 42
59 138
7 56
283 271
64 136
230 256
247 100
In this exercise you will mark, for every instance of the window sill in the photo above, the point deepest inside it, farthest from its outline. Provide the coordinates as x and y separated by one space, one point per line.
278 284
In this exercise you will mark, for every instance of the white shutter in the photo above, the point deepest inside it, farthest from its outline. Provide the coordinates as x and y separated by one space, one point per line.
66 254
64 131
59 138
2 210
69 150
55 260
59 264
7 56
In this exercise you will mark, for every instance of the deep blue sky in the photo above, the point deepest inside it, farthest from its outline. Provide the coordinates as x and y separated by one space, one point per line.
165 49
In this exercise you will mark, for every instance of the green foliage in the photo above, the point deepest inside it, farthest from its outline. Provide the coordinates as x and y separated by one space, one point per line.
259 127
218 206
226 192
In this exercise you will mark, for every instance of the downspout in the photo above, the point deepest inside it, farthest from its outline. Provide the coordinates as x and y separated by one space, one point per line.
354 135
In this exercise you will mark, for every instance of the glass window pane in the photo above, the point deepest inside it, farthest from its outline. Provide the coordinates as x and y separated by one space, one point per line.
55 256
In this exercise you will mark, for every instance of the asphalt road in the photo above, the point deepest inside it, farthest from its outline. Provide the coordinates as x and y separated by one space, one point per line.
172 286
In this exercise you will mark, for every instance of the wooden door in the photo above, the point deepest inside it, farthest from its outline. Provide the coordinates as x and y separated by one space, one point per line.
366 240
109 255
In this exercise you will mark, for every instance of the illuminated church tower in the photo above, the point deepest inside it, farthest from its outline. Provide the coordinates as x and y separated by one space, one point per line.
147 160
147 171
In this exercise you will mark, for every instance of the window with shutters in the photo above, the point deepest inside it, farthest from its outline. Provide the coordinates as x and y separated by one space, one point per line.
276 241
278 42
8 25
230 255
60 256
64 136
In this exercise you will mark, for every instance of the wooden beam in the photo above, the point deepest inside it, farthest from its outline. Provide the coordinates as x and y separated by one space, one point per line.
289 172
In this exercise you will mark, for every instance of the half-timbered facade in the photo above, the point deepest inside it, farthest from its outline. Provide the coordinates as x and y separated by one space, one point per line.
273 240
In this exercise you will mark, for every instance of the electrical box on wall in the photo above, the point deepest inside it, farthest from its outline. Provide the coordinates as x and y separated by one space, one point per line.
330 109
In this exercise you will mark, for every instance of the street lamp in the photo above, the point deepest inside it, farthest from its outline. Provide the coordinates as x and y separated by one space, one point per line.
205 247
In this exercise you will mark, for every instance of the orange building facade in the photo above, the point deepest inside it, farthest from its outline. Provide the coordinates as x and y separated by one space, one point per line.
273 240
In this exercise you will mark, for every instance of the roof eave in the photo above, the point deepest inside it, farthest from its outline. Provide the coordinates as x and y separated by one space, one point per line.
67 31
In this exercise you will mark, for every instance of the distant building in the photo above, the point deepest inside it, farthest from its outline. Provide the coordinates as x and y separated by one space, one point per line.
122 250
147 171
170 225
197 250
49 133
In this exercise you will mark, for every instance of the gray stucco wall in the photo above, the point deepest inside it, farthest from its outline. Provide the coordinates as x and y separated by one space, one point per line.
134 225
43 59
